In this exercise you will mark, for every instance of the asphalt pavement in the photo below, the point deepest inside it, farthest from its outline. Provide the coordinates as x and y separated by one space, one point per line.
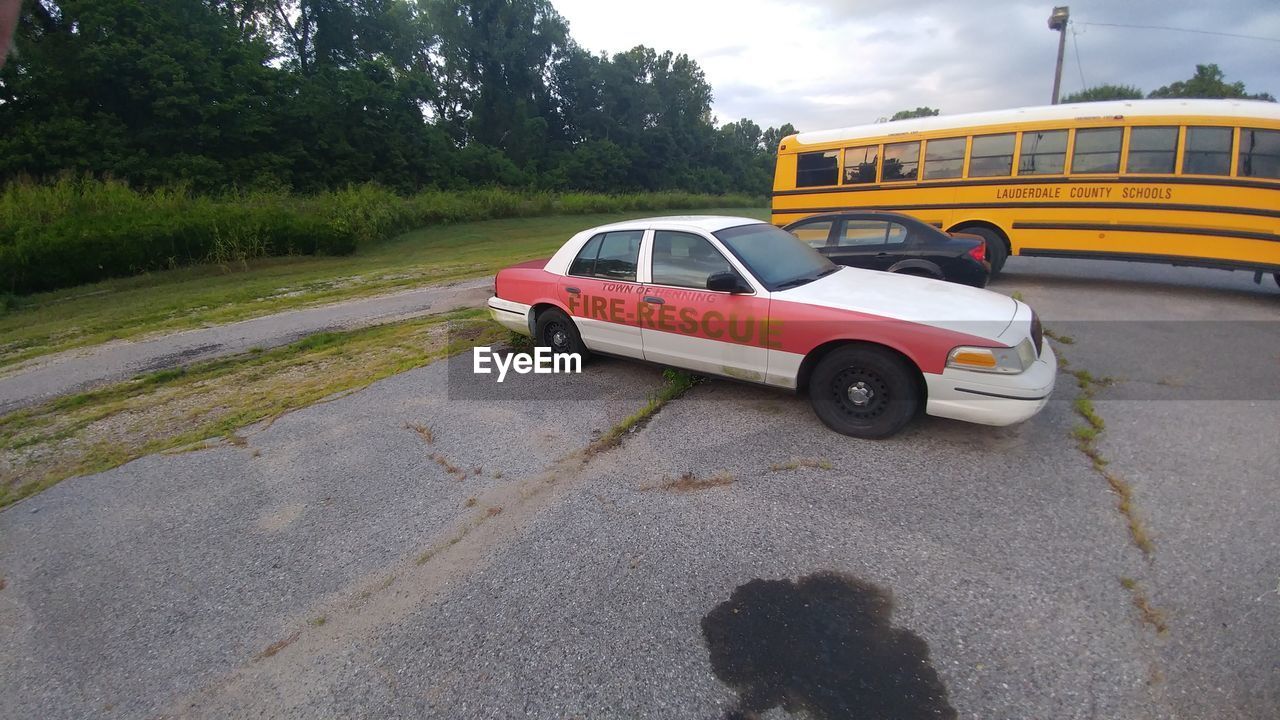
346 564
83 368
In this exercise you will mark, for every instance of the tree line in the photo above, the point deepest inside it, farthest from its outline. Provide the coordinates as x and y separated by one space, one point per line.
1208 82
306 95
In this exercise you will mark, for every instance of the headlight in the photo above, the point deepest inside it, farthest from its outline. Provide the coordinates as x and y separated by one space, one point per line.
1007 361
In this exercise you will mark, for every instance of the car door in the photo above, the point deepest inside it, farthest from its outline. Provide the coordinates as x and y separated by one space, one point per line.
603 294
684 324
872 243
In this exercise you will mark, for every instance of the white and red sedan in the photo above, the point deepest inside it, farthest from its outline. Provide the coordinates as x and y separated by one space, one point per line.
743 299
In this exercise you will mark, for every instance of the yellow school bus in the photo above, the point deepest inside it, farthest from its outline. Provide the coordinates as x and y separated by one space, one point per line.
1186 182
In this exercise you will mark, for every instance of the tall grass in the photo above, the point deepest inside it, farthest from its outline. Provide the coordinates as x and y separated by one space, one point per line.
77 231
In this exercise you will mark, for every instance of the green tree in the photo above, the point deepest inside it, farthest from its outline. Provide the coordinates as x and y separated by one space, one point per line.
772 137
1099 93
313 94
156 93
1208 82
494 59
917 113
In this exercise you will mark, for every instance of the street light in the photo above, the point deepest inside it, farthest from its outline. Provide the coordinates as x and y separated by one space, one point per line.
1058 21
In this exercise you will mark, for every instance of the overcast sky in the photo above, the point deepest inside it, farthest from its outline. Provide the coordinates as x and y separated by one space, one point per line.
833 63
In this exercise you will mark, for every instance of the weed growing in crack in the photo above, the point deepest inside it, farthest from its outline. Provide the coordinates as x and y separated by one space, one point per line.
797 463
689 482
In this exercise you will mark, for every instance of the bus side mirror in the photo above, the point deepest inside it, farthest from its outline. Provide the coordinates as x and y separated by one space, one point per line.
727 281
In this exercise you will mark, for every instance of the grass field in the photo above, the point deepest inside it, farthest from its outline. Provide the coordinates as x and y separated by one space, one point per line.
211 294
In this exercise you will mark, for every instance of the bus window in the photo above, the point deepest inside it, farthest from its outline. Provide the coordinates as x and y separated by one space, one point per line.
860 165
1152 150
992 156
1043 153
1259 153
901 161
1208 151
943 158
817 168
1097 150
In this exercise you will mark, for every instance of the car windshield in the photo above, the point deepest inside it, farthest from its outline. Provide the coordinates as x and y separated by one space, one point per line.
775 256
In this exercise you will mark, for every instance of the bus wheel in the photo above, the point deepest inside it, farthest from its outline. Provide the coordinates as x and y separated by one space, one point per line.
997 253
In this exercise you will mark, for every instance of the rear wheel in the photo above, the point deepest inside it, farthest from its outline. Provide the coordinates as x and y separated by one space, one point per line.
864 392
997 251
919 272
555 330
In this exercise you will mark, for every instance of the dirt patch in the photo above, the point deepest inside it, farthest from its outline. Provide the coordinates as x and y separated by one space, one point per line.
280 519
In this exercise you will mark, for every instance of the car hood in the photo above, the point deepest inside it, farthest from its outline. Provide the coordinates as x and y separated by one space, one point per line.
910 298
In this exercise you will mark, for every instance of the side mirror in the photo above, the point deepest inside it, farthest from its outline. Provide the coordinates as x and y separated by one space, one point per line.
727 281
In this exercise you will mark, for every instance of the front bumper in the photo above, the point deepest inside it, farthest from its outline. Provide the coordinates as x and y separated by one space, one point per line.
512 315
990 399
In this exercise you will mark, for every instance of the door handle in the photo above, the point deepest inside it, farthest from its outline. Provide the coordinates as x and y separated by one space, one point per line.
572 290
654 299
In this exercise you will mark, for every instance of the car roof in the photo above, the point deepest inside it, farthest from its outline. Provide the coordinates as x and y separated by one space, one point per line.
706 223
886 214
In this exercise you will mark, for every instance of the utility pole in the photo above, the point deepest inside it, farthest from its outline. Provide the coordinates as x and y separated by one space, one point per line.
1058 21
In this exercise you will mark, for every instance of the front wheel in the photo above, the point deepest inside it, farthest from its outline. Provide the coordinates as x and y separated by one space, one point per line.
863 392
555 330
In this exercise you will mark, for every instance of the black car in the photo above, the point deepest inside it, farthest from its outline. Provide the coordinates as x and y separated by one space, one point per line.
893 242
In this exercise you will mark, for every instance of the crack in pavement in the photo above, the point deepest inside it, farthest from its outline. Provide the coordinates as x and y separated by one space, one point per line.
287 672
1086 436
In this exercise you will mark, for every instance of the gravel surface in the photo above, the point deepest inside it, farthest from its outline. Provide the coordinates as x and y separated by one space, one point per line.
577 586
82 368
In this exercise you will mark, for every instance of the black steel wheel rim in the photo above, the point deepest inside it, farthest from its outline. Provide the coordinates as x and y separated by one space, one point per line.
860 394
556 336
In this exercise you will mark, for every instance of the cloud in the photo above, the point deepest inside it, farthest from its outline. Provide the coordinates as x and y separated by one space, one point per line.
832 63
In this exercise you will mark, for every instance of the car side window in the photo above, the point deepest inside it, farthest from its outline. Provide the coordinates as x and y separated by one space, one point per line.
897 234
685 260
861 233
611 256
814 234
585 263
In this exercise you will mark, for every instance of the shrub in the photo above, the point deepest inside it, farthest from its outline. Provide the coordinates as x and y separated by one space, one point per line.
80 230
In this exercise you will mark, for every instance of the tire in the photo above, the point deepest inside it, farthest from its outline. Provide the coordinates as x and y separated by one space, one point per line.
893 399
997 251
555 330
919 272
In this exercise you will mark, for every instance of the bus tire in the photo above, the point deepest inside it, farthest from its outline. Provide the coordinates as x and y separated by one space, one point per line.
864 392
997 251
